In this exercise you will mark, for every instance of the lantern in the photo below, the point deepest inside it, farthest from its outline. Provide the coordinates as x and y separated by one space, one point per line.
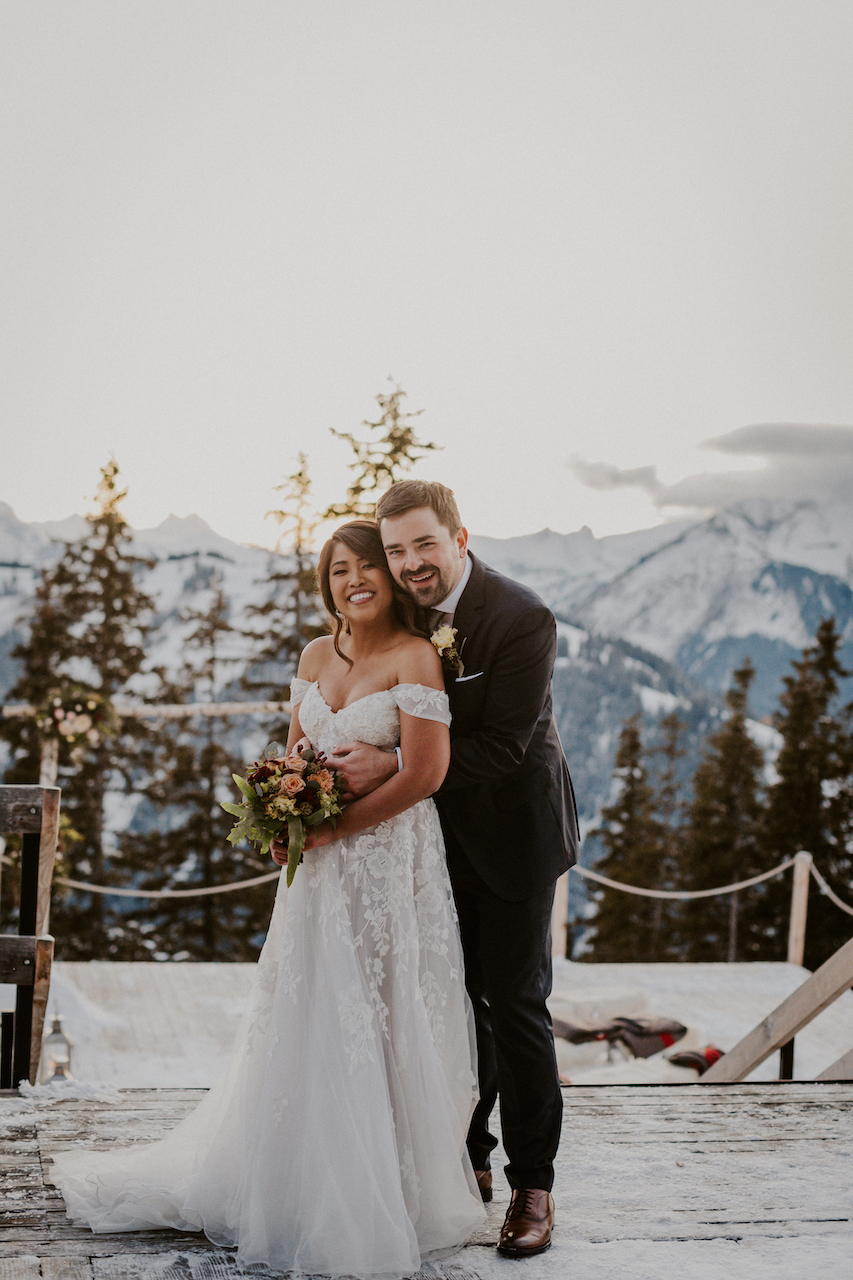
55 1054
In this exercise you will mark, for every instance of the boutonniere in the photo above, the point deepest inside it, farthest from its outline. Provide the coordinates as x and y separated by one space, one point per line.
444 642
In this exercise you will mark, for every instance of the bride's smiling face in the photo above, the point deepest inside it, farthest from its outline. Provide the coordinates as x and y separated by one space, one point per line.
361 590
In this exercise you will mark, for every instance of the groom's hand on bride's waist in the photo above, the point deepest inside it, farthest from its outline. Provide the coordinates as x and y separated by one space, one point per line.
363 768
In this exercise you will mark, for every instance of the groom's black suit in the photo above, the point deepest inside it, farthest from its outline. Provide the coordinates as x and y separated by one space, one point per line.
509 818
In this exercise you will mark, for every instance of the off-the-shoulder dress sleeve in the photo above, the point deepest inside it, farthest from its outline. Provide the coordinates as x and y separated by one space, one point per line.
420 700
298 690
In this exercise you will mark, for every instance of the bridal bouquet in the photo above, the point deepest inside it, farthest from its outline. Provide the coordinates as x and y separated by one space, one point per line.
284 795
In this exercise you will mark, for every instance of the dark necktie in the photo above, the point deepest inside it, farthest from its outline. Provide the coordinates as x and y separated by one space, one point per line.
438 618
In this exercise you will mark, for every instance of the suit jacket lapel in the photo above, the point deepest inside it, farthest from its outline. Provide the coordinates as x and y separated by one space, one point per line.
468 613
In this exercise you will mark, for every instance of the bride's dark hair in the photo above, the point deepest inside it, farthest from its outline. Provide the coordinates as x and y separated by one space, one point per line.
362 538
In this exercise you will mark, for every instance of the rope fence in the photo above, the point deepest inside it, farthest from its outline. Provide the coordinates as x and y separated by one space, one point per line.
168 710
114 892
683 895
825 889
169 893
802 862
180 711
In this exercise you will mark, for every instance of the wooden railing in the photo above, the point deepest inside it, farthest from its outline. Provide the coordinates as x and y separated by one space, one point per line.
26 958
778 1029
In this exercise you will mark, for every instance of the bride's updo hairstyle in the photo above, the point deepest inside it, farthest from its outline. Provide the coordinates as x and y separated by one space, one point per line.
361 537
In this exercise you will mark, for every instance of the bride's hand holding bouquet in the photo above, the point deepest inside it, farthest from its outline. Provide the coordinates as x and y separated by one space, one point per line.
287 800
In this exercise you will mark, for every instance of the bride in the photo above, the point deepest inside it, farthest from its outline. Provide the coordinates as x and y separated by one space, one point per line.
335 1143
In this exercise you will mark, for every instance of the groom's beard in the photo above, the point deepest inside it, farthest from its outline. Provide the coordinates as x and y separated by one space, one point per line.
431 593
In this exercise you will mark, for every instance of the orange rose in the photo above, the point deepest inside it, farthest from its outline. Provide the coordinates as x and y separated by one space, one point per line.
326 780
295 764
291 784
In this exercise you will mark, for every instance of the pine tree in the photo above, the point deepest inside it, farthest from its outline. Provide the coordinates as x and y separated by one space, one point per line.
808 806
721 838
624 926
41 656
290 616
379 462
669 810
189 771
86 642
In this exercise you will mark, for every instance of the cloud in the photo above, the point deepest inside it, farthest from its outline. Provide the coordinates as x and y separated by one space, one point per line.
785 439
604 475
801 461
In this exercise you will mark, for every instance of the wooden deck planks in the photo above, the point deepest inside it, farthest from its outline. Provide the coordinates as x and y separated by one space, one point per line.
698 1162
689 1163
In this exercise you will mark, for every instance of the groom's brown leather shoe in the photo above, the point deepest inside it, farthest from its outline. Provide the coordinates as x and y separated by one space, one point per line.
484 1182
528 1224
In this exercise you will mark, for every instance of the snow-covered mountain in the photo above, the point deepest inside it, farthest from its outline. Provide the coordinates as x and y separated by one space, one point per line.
598 682
189 558
754 580
650 621
564 568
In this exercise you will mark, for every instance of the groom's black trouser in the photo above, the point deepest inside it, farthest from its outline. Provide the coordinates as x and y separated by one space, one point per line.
507 952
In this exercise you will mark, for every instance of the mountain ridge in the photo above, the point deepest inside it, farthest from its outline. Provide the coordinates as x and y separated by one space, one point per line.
648 622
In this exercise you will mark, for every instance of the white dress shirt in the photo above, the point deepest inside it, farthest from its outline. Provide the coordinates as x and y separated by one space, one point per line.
449 605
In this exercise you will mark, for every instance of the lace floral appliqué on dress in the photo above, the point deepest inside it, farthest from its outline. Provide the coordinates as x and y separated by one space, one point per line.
335 1143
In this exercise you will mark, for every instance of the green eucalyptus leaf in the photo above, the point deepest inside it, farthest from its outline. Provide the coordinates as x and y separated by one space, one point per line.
248 791
295 845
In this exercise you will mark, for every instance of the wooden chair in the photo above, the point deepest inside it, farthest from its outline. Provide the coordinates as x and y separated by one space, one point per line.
26 958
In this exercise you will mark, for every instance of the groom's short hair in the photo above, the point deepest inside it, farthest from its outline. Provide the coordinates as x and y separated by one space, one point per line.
406 495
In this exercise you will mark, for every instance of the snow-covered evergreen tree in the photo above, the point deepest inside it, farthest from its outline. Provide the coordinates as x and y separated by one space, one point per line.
721 836
627 927
809 806
188 766
86 643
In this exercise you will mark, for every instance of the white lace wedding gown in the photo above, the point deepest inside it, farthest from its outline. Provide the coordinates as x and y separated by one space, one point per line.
335 1142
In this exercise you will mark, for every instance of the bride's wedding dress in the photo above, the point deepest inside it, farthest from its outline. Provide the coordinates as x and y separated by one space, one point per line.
335 1142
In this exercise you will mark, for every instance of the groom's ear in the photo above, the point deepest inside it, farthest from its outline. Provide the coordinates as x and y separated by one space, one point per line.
462 542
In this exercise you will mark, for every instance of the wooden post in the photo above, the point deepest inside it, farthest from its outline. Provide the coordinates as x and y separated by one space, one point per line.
560 916
34 813
786 1061
41 991
7 1034
48 837
799 907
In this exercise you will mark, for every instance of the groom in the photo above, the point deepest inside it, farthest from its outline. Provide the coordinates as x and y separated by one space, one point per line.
509 820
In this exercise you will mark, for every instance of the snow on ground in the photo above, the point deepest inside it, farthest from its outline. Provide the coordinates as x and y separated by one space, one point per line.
718 1003
153 1025
761 1259
148 1025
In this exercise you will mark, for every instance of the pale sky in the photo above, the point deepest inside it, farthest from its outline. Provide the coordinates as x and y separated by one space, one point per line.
606 230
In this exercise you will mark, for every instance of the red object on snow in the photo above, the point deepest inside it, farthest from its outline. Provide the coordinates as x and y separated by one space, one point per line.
698 1061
